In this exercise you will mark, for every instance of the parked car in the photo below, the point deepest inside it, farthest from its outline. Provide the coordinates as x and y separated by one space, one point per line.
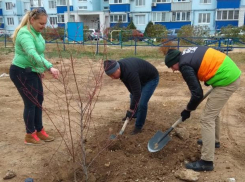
137 35
94 34
173 33
4 32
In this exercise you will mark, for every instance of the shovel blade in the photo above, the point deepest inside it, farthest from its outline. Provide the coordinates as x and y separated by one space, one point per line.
158 141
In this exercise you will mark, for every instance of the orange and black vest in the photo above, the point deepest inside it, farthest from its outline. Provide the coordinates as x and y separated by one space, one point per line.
211 66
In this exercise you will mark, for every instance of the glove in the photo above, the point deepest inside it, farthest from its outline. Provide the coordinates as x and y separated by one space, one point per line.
128 115
185 114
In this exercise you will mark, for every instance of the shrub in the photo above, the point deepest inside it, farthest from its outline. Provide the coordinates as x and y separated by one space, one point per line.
148 29
131 25
53 33
193 34
230 31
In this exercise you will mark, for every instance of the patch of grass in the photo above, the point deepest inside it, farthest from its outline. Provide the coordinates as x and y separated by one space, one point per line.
6 50
238 58
104 52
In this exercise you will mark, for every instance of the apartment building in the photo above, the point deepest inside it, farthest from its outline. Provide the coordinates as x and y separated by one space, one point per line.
100 14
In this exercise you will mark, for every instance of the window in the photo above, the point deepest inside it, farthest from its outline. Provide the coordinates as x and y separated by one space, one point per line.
181 16
139 19
83 0
140 2
0 4
161 1
10 21
116 1
1 19
205 1
61 2
105 0
61 19
181 0
204 18
118 18
227 15
9 6
53 20
52 4
72 18
160 16
106 8
82 7
19 19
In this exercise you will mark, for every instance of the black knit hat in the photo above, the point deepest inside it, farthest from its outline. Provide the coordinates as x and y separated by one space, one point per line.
110 66
172 57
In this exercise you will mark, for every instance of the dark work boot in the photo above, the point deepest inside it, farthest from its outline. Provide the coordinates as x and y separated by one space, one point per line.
136 131
200 165
217 144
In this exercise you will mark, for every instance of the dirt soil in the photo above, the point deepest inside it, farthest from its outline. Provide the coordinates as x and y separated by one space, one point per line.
126 158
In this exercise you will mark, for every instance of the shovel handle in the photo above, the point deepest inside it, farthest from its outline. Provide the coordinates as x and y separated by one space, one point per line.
177 122
207 93
157 138
180 119
204 97
124 126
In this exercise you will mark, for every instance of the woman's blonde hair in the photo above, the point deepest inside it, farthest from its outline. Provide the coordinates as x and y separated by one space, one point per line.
35 13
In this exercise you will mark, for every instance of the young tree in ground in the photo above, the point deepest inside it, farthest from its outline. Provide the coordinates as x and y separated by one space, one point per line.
201 31
159 32
131 32
148 29
230 31
186 31
193 34
131 25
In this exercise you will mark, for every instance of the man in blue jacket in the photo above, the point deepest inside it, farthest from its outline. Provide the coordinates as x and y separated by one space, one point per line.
141 79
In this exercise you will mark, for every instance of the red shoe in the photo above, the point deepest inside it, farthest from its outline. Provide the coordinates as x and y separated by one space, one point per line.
32 139
44 136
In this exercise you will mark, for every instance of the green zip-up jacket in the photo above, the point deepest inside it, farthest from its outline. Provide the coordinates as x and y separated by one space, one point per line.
29 50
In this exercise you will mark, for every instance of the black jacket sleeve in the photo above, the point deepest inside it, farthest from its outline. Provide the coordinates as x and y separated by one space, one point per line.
135 89
193 83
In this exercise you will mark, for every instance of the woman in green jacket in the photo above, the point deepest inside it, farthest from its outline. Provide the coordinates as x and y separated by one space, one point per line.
26 72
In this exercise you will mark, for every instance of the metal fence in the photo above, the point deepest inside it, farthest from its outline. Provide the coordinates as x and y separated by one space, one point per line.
225 44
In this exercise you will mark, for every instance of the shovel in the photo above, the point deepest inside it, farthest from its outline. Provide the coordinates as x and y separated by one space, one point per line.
122 130
160 139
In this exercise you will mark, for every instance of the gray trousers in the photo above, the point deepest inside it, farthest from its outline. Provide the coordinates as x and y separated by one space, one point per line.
210 121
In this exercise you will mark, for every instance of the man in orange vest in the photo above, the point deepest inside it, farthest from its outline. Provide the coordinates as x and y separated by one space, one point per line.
213 68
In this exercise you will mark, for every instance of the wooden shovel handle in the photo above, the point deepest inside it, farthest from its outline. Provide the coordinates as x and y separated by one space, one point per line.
124 126
180 119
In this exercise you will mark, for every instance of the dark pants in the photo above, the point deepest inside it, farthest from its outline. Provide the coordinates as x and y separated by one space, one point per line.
146 92
29 85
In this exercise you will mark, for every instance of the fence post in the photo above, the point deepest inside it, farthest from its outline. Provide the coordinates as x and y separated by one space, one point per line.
120 38
219 42
97 46
5 40
64 47
135 46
